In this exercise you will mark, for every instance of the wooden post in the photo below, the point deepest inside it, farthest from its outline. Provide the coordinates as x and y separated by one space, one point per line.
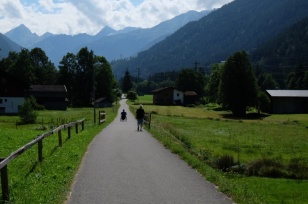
82 125
69 132
40 150
76 126
4 183
60 137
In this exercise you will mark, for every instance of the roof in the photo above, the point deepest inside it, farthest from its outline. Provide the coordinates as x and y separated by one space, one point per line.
162 89
190 93
288 93
48 88
103 99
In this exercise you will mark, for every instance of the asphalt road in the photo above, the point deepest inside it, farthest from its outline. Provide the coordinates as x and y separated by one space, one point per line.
125 166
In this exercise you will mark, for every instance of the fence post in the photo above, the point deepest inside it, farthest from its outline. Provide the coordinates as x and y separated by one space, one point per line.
4 183
60 137
40 150
69 132
76 128
82 125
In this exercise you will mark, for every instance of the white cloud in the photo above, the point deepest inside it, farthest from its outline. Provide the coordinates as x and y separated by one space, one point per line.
90 16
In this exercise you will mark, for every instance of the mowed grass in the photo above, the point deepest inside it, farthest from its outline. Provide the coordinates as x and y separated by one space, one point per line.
49 181
201 134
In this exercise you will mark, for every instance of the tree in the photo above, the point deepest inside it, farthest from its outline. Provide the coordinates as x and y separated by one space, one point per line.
26 112
67 76
30 67
190 80
238 87
104 79
213 84
43 68
266 81
127 84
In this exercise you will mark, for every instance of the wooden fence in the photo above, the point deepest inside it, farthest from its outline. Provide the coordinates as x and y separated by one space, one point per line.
39 140
102 117
147 119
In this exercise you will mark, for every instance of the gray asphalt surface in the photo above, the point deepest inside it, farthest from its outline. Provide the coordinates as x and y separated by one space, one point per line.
125 166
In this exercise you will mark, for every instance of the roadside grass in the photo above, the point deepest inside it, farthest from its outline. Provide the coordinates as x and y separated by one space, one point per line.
48 181
202 135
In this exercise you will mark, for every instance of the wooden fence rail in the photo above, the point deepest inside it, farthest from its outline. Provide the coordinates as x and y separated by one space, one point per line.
38 140
147 119
102 117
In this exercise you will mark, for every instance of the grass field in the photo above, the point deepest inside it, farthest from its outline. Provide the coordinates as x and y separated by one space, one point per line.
201 136
50 180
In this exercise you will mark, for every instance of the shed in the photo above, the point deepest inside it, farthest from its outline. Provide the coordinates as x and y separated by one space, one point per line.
103 102
190 97
52 97
167 96
288 101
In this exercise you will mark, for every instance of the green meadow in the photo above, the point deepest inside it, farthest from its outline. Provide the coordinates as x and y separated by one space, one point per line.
202 136
48 181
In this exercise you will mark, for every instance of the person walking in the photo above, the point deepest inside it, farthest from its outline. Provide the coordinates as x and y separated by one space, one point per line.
140 117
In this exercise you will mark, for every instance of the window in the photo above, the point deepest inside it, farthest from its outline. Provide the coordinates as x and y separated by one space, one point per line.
1 101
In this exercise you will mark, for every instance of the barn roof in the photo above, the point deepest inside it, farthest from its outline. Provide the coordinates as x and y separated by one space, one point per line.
288 93
190 93
162 89
48 88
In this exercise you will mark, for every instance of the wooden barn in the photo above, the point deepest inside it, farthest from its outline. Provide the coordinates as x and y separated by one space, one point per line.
167 96
288 101
52 97
12 94
103 102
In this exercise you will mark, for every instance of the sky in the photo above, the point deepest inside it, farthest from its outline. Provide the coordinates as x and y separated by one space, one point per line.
90 16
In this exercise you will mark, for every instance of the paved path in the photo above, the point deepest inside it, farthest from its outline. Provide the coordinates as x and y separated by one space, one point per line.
125 166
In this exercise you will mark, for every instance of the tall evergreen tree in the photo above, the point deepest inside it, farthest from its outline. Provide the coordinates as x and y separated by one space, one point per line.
238 86
127 84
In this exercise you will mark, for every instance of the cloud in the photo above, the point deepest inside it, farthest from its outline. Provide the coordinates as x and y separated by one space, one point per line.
90 16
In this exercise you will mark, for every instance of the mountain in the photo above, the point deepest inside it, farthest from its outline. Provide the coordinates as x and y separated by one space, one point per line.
239 25
22 36
114 44
7 45
289 47
123 45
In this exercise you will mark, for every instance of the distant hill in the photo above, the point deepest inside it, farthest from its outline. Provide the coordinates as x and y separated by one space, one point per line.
7 45
108 42
239 25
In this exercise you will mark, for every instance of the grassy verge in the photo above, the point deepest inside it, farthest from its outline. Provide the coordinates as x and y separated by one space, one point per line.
200 136
50 180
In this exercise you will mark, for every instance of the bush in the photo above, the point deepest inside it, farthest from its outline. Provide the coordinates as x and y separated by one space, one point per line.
225 162
264 102
26 112
131 95
267 168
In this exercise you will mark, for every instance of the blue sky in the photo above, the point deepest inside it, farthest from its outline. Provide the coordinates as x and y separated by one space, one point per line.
90 16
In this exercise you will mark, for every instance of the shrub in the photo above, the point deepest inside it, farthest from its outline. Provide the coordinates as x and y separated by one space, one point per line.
131 95
26 112
267 168
225 162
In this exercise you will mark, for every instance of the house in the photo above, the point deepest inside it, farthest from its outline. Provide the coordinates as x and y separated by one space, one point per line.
288 101
12 94
103 102
167 96
190 97
52 97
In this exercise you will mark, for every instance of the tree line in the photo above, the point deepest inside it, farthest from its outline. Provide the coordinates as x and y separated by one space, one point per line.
236 84
85 75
